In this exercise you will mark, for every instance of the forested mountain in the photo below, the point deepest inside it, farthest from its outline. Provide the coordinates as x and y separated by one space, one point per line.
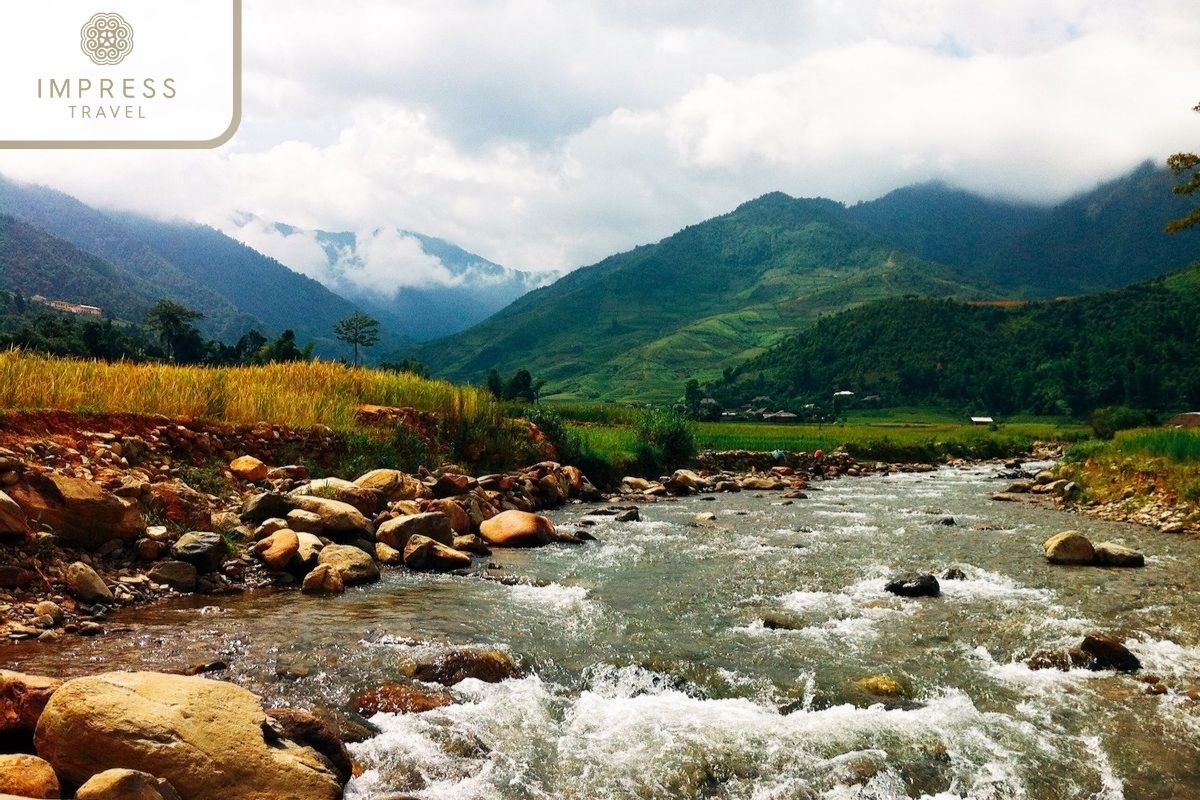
638 324
1105 238
32 262
1138 346
281 298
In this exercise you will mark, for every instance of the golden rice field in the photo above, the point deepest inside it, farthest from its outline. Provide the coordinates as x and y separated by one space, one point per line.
299 394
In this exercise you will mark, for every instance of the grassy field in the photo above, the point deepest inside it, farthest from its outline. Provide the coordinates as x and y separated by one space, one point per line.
300 394
903 434
1137 464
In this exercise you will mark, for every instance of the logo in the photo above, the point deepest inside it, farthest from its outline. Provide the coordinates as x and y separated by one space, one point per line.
106 39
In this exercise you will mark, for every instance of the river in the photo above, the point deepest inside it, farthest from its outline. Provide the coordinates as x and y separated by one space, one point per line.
651 675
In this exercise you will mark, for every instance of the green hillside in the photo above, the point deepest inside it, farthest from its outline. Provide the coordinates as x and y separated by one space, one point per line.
32 262
1138 346
638 324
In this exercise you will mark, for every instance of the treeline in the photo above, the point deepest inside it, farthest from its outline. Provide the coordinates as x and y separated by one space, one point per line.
1137 347
168 333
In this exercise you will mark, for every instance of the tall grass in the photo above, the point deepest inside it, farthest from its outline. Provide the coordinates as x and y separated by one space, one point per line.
1181 445
299 394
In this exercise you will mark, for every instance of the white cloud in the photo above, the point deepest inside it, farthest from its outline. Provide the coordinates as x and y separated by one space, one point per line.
548 135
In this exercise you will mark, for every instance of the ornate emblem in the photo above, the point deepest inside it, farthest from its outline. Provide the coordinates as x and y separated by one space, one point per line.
107 39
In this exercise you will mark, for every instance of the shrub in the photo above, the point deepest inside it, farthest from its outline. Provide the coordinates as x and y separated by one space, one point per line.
1105 422
666 439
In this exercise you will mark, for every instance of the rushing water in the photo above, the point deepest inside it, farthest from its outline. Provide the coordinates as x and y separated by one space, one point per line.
650 674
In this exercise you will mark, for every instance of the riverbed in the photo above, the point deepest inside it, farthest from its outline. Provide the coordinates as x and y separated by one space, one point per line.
650 673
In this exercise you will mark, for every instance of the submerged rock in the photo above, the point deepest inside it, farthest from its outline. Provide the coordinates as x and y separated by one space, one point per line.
881 685
400 698
924 585
1110 554
454 666
1097 651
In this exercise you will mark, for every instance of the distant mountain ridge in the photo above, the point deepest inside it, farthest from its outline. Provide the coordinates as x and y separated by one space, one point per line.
638 324
134 261
449 288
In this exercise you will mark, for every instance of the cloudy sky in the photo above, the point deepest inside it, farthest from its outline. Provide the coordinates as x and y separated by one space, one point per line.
546 135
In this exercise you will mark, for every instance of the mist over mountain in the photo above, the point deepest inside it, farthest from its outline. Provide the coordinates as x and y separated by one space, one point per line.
421 286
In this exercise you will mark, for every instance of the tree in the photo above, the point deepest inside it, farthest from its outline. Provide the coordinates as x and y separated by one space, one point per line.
495 384
173 324
1185 164
358 330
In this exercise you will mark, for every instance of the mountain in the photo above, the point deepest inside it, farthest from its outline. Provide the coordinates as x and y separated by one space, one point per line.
638 324
1105 238
32 262
421 286
146 260
1138 346
258 284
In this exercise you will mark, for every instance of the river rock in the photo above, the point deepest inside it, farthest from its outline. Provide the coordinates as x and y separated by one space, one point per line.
278 549
1111 554
338 519
757 484
353 565
628 515
179 575
459 519
86 585
517 529
265 505
303 728
302 521
204 550
924 585
954 574
453 666
400 698
433 525
22 698
324 579
386 554
685 481
248 468
1069 547
308 550
27 776
633 485
367 501
79 511
423 553
451 484
394 484
12 518
126 784
1108 653
207 738
472 544
880 685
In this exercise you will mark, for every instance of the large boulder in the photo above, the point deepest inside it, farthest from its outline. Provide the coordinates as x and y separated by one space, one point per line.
78 510
12 518
277 550
27 776
302 727
338 519
423 553
1106 652
353 565
434 525
248 468
517 529
460 520
208 739
86 585
394 484
204 550
126 784
22 699
1069 547
367 501
308 550
1111 554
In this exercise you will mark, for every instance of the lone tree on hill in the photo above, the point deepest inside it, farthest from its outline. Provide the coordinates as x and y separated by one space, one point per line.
1185 164
359 330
